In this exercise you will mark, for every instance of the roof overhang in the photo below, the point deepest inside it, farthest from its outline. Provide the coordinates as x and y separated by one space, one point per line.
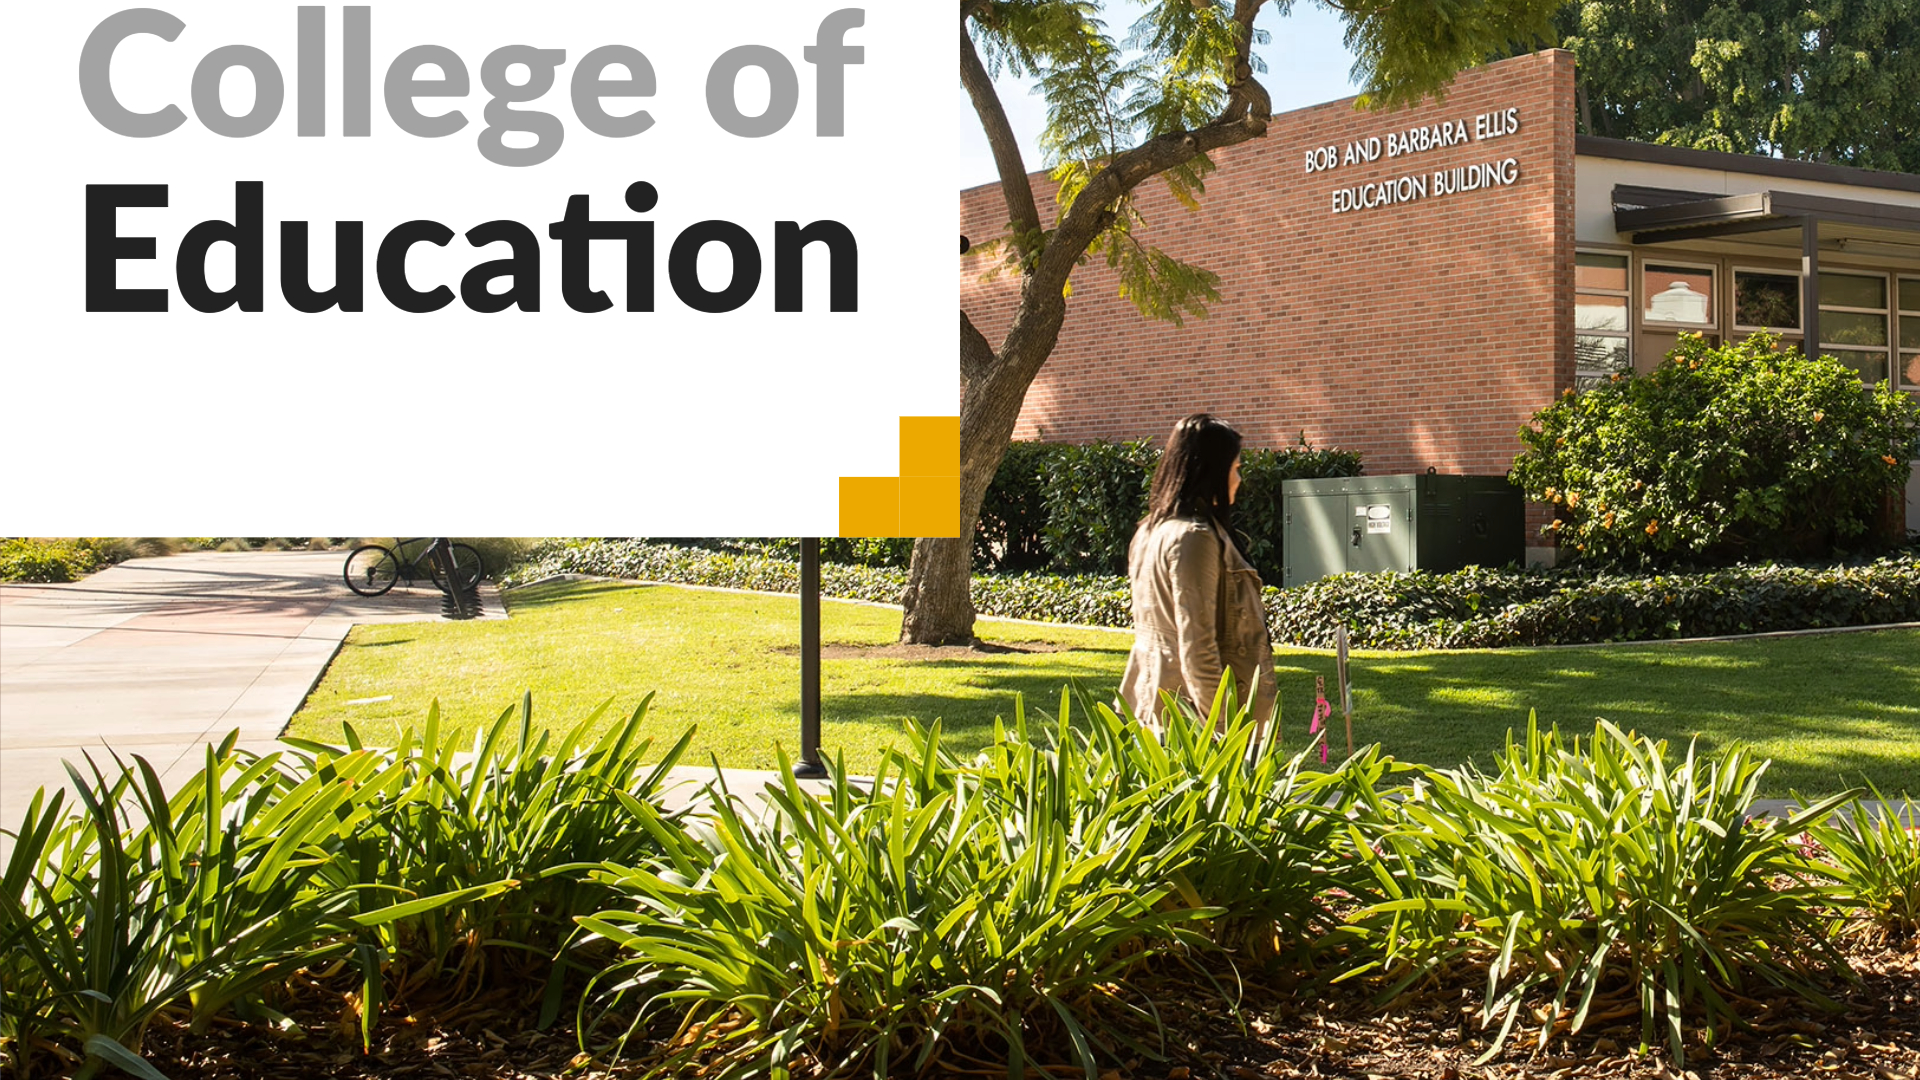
1658 216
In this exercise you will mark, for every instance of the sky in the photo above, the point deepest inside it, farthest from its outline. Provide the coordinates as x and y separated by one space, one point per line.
1307 64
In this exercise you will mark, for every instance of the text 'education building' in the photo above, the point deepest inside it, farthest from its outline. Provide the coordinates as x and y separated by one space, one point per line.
1414 284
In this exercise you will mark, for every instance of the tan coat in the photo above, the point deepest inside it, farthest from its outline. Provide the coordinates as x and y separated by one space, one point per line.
1188 628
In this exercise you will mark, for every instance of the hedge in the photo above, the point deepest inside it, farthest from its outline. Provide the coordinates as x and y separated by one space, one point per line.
58 559
1471 608
1072 508
1483 609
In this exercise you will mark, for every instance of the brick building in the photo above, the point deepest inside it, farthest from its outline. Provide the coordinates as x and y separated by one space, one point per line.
1414 284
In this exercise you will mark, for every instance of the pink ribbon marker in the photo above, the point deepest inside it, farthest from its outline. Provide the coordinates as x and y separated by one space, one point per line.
1322 711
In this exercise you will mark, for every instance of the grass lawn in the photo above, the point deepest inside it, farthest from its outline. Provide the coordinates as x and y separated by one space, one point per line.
1828 709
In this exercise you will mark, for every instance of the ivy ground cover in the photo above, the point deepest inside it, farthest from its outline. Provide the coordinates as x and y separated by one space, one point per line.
1829 710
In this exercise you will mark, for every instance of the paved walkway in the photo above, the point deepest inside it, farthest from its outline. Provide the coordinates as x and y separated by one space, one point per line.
159 656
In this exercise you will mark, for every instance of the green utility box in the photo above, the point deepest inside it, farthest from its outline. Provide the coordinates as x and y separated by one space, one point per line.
1413 522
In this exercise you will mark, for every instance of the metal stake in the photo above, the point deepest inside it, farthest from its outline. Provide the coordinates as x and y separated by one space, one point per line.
810 764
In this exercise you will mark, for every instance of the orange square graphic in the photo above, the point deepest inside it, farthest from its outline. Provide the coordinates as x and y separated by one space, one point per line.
870 505
929 446
930 506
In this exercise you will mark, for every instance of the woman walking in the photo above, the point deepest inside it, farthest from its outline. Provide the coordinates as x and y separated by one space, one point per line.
1197 612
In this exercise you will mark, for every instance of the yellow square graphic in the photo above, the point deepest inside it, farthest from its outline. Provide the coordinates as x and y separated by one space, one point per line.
929 446
870 505
930 506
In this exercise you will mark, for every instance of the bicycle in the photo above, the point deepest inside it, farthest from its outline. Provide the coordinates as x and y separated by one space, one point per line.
372 569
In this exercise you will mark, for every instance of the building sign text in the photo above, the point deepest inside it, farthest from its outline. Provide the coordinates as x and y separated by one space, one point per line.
1414 140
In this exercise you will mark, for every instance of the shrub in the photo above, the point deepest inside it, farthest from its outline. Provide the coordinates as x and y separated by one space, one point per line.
205 906
521 806
1471 608
51 561
47 561
1476 608
1271 853
1878 853
1601 874
893 551
1000 907
937 905
1719 455
407 861
1095 495
496 552
1011 534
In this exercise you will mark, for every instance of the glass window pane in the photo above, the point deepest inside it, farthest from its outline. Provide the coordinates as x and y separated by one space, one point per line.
1910 294
1600 313
1910 367
1870 366
1677 294
1592 271
1594 354
1909 331
1766 300
1852 328
1852 290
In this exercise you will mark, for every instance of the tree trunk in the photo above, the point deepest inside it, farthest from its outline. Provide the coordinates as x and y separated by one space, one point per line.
939 597
993 384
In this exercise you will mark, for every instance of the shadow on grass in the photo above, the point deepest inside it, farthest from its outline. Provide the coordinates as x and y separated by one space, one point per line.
555 594
1829 710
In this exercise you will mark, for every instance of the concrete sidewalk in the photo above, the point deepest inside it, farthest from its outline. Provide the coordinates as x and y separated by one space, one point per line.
159 656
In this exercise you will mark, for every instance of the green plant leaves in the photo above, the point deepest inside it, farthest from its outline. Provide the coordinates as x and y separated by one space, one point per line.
1569 861
1733 453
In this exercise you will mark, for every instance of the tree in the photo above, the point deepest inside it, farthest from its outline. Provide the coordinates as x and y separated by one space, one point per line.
1820 80
1182 88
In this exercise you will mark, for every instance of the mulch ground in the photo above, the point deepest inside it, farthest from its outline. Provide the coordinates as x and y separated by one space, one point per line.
1428 1036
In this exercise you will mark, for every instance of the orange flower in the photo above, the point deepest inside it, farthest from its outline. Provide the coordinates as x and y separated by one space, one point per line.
1552 495
1607 522
1573 499
1652 527
1554 526
1889 459
1819 416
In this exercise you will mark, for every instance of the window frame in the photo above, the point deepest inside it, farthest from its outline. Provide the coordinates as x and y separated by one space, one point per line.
1715 301
1799 301
1901 356
1626 335
1888 352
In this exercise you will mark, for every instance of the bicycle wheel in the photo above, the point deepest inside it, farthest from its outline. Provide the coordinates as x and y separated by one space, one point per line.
371 570
467 568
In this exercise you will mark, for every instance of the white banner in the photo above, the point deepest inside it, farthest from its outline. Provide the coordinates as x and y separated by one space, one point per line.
176 155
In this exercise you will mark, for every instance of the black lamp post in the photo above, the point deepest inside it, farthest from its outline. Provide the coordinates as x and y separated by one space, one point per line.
810 765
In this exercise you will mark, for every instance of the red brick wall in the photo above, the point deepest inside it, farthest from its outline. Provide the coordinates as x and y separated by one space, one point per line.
1421 334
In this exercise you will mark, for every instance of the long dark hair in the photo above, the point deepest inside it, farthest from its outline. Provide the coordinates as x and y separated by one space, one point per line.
1191 480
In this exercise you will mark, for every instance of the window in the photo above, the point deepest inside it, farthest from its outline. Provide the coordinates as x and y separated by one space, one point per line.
1766 300
1677 296
1600 300
1853 322
1910 333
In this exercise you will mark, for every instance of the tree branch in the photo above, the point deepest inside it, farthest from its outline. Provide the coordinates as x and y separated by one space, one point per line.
976 353
1043 307
1022 211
